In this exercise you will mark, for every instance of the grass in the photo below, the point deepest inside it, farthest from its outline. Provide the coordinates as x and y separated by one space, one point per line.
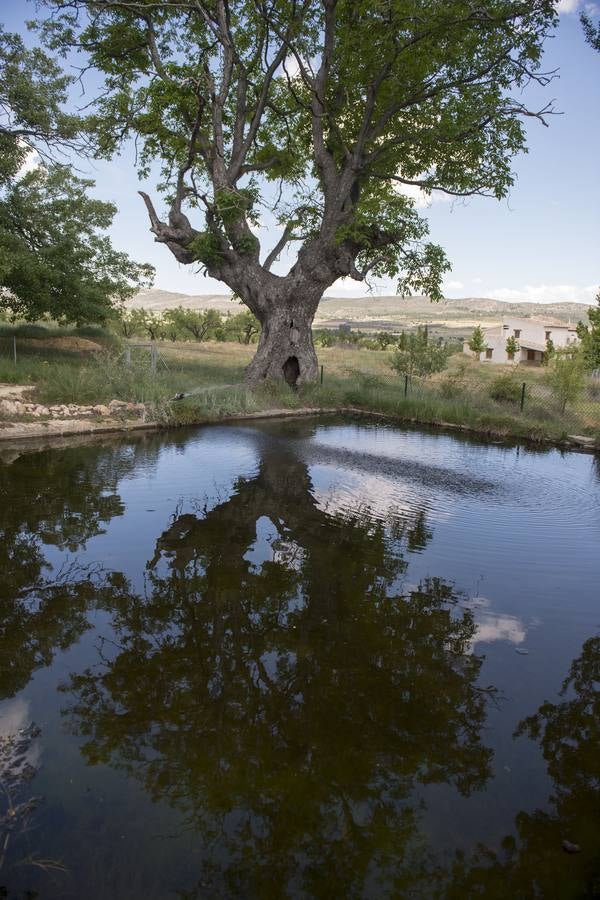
353 377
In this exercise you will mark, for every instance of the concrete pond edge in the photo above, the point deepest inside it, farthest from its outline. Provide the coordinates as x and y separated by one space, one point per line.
33 431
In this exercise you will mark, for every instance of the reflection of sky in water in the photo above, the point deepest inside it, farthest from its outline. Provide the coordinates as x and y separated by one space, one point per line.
516 533
347 491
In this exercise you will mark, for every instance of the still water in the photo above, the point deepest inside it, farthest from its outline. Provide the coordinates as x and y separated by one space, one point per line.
299 659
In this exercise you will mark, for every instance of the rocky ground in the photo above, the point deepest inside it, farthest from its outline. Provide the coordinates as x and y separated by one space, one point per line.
22 417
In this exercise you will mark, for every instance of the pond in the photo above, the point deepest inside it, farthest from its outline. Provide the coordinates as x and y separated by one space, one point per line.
304 658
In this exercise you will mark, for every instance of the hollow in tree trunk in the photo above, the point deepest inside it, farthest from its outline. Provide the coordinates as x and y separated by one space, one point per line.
285 348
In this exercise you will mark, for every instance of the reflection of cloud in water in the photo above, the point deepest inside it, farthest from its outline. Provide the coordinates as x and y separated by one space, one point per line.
491 627
498 628
431 479
14 716
378 495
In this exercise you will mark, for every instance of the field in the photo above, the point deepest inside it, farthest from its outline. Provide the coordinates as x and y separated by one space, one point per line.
91 367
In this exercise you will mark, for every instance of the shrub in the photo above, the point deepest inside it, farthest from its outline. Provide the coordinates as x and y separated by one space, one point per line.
566 379
452 386
505 389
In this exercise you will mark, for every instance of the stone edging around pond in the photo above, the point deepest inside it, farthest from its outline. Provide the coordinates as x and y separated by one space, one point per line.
14 431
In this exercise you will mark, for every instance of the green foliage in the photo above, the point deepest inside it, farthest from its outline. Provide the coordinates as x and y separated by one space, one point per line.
55 259
385 339
130 322
591 30
505 389
566 379
33 90
420 356
418 95
589 337
206 248
512 347
243 328
193 323
550 352
477 342
324 338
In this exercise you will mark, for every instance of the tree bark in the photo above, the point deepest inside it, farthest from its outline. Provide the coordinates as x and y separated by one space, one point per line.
285 348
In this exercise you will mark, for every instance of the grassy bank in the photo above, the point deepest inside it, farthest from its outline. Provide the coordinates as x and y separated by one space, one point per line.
361 379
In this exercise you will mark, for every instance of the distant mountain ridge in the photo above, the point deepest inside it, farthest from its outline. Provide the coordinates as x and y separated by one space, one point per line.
376 311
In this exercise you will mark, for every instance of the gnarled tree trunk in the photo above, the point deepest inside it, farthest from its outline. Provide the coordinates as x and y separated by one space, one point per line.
285 348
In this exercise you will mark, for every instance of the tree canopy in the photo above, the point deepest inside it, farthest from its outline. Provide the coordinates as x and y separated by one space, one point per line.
55 258
33 93
321 111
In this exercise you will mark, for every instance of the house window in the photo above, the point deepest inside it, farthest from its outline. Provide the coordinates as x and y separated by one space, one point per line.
548 333
488 353
517 332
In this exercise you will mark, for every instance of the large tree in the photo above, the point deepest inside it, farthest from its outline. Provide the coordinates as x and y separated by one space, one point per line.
55 258
341 103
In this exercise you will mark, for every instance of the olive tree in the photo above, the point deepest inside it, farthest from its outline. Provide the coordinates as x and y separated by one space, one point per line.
322 111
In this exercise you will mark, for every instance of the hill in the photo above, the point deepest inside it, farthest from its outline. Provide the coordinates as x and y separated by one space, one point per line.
372 313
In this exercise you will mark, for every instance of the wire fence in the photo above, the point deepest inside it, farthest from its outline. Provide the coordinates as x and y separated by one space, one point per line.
572 405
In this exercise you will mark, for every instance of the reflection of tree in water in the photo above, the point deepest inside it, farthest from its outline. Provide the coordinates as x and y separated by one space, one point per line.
289 701
57 498
535 864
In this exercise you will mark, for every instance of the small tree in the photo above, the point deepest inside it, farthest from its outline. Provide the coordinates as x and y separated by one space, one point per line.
566 379
152 324
199 323
589 336
243 327
131 322
549 353
477 342
512 347
171 324
420 356
384 340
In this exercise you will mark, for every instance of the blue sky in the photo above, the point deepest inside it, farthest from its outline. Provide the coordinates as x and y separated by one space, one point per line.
541 244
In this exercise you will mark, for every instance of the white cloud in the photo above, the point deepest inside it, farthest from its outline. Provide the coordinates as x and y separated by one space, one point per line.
453 285
422 200
348 287
545 293
567 6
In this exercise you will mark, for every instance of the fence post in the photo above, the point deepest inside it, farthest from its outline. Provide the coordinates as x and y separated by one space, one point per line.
321 374
406 385
153 356
523 389
15 348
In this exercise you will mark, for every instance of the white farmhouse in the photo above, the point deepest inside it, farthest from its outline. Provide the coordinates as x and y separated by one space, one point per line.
531 336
